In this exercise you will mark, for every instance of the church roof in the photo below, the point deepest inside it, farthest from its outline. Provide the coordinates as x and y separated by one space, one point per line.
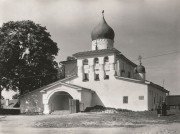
96 52
157 86
49 85
102 31
126 59
62 82
141 82
68 61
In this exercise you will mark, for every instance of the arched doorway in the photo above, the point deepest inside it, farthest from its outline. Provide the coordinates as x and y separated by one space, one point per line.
59 101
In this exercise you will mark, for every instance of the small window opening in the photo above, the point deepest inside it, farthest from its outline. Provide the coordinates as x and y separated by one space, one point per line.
86 77
85 62
106 77
106 59
97 77
125 99
96 61
141 97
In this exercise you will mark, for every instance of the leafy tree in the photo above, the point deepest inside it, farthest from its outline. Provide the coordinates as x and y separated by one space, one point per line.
2 98
27 55
16 96
61 71
69 58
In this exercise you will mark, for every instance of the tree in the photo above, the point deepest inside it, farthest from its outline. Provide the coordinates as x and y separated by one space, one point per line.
15 96
27 56
70 58
2 98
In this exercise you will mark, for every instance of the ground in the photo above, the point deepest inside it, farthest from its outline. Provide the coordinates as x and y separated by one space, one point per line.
123 122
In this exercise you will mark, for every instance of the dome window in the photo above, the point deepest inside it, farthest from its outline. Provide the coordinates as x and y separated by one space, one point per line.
85 62
106 59
96 61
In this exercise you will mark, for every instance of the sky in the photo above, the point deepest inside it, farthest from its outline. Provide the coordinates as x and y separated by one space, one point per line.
142 27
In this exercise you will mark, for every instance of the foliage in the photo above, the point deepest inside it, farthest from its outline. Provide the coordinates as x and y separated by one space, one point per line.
2 98
27 56
97 108
61 71
69 58
16 96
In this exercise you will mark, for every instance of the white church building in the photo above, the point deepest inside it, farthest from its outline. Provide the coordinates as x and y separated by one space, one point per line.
101 76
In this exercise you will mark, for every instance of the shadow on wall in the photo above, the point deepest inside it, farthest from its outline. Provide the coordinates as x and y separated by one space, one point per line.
96 100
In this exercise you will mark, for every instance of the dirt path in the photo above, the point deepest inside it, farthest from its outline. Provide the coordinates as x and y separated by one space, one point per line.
24 125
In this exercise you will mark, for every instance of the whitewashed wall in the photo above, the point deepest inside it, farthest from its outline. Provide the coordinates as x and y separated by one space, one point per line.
86 99
110 93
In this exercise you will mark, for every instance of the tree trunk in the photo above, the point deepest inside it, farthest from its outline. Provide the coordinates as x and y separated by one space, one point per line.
0 98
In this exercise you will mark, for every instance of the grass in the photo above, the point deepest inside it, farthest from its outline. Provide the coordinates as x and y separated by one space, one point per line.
121 119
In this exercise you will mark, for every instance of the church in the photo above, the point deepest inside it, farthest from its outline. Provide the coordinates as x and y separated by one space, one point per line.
101 76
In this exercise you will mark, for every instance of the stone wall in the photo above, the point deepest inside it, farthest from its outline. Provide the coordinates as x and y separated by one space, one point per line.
31 102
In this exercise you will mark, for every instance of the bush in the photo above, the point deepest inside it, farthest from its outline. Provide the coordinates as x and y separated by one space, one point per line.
32 113
97 108
9 111
123 110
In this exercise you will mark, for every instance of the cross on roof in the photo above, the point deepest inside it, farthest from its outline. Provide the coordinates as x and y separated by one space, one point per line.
140 58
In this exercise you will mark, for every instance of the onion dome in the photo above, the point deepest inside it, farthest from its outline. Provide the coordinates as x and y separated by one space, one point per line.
140 68
102 30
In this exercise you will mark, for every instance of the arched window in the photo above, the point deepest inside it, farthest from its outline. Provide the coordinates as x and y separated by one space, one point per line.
96 61
106 59
96 77
86 77
85 62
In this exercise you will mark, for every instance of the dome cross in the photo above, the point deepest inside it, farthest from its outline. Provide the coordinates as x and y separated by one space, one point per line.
140 58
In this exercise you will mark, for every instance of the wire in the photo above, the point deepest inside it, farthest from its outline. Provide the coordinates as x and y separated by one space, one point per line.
158 55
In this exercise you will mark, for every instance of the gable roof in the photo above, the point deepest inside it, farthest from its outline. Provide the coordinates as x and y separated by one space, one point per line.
126 59
130 80
68 85
50 85
60 82
68 61
157 86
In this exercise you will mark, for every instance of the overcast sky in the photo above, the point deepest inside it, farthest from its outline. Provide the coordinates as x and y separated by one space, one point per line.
142 27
